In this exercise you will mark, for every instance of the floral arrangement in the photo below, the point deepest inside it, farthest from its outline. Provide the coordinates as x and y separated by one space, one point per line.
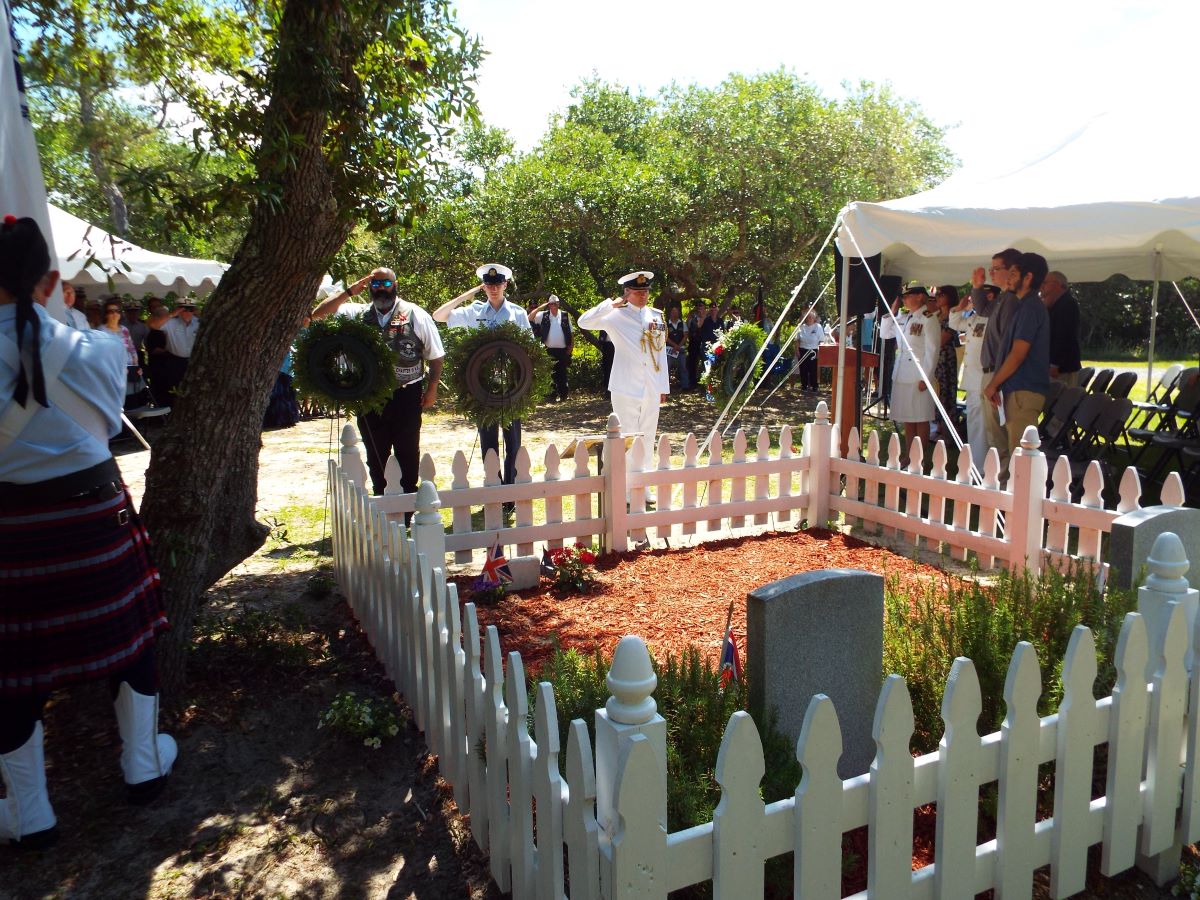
368 718
342 362
485 592
728 358
496 375
572 568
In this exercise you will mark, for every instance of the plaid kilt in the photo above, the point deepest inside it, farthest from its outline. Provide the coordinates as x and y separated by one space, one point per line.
79 595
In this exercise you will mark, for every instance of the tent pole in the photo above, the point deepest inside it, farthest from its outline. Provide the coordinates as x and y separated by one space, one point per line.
841 353
1153 315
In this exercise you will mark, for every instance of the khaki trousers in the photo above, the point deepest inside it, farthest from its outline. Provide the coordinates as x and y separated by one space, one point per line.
1021 409
995 435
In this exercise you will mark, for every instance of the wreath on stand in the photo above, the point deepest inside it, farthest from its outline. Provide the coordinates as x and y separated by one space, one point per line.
728 359
497 375
343 362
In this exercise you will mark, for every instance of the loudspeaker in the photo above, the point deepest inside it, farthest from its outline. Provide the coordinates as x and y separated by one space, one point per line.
863 295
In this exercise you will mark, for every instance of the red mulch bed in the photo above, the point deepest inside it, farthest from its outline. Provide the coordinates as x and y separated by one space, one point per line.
675 598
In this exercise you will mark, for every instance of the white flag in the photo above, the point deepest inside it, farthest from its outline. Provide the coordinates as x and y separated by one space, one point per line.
22 189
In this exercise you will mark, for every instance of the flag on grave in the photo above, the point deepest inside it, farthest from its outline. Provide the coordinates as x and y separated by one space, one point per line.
496 569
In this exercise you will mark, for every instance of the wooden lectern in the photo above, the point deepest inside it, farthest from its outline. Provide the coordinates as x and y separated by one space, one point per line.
827 358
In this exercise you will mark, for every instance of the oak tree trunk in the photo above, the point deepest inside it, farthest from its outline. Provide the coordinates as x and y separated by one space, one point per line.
202 483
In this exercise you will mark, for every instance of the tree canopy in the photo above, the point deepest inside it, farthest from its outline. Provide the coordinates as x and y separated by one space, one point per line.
719 190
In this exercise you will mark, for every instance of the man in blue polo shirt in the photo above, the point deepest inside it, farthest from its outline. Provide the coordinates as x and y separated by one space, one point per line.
1021 381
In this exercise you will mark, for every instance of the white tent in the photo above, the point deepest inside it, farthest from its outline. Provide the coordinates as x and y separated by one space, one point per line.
90 256
1120 194
1101 202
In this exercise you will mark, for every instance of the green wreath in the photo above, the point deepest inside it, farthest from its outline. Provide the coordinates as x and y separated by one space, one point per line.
344 362
497 375
729 358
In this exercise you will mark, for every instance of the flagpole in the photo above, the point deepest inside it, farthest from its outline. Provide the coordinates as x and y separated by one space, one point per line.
22 190
728 622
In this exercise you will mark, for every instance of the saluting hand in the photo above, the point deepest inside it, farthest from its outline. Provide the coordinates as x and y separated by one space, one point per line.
978 277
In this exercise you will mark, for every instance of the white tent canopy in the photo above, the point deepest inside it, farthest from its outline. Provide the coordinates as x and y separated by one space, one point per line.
90 256
1097 204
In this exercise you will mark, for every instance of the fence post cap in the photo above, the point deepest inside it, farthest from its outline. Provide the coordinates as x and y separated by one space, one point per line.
614 425
1167 564
1030 440
822 414
631 680
427 497
349 436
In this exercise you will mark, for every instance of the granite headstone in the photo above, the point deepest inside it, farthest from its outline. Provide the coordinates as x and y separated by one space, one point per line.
1134 533
819 632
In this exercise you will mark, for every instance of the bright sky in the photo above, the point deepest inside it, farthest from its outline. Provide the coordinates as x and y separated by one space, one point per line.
980 69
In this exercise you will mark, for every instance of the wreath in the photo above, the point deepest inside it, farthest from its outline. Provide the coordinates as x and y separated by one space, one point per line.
728 359
344 362
497 375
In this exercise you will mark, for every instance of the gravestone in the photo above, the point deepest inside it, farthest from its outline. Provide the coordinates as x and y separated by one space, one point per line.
1134 533
819 632
526 573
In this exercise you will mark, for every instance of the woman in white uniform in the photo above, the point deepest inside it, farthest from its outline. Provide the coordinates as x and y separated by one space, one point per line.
918 331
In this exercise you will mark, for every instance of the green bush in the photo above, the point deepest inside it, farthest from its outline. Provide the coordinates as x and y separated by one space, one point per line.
924 633
584 372
697 710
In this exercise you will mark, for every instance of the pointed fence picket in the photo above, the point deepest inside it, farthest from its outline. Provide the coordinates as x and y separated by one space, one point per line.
539 826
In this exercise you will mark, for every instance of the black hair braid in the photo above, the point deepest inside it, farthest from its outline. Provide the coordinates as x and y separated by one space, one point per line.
24 259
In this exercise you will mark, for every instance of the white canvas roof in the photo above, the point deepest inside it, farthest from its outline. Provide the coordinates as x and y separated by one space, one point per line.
1095 205
89 256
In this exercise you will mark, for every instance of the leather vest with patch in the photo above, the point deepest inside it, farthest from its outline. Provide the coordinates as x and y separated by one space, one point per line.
407 348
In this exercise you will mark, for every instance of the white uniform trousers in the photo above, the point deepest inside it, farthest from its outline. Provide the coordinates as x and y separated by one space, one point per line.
976 433
639 414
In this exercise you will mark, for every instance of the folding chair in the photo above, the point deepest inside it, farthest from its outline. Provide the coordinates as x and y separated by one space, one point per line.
1179 406
1056 388
1158 400
1186 434
1056 425
1085 376
1100 381
1121 385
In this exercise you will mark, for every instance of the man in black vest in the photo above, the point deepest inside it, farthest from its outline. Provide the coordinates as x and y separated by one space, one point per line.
553 327
413 337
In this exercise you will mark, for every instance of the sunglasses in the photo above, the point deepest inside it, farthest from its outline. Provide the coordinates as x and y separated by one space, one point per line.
381 283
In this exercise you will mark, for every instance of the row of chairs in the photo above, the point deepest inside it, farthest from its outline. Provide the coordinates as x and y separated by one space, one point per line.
1082 427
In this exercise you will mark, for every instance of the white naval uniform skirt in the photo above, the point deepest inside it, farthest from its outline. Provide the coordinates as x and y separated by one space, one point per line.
910 404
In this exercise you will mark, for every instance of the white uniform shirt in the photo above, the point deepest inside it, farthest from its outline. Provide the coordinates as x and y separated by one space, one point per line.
77 319
810 336
974 327
555 340
923 330
482 314
51 443
181 336
639 337
423 327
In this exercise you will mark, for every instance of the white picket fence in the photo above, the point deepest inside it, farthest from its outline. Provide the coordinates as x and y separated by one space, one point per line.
605 821
1021 526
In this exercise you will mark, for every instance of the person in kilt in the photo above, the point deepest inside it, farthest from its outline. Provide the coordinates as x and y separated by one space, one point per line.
81 598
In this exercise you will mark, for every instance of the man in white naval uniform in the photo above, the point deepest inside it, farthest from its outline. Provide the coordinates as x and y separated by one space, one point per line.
912 401
640 380
973 326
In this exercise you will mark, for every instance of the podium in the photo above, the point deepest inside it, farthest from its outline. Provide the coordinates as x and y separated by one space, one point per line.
827 358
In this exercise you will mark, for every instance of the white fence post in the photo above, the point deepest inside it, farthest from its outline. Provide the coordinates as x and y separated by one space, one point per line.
1166 583
351 460
1028 485
616 522
630 711
817 448
427 531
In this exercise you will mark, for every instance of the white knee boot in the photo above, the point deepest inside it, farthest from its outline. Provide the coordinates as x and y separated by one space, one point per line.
146 755
25 814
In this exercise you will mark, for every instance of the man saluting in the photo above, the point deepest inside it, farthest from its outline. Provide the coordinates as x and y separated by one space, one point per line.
639 381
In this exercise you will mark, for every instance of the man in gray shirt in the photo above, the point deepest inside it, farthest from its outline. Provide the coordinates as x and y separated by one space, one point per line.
999 313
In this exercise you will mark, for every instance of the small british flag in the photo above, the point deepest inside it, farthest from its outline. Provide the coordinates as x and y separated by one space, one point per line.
496 569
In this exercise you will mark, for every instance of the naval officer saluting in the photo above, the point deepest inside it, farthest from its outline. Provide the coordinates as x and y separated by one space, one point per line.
639 381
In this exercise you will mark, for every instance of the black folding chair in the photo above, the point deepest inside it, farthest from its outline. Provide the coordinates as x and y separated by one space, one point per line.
1100 381
1172 415
1056 425
1085 376
1121 385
